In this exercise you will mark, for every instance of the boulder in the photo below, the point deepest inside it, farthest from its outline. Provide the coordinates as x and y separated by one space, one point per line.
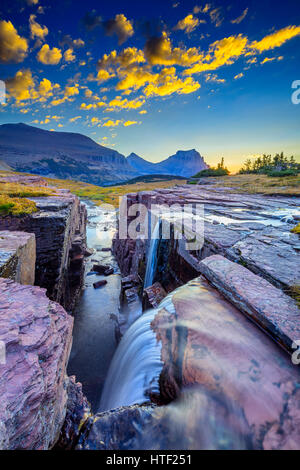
208 343
100 268
98 284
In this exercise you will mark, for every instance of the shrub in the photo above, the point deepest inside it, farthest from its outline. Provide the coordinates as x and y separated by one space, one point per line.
212 172
282 173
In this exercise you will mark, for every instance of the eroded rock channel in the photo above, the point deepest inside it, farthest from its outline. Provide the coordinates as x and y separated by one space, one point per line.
209 363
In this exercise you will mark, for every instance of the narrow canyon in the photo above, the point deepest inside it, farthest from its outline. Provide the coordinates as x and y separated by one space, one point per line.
117 343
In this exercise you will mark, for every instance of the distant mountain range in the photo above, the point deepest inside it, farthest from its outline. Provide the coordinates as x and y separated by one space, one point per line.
75 156
183 163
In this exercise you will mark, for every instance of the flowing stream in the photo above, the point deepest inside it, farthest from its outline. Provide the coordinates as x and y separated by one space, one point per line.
96 314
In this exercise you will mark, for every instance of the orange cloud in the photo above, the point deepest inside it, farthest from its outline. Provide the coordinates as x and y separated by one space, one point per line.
49 56
36 30
13 48
188 24
167 83
276 39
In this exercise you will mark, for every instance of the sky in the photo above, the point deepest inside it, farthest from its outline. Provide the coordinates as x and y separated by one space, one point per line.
155 77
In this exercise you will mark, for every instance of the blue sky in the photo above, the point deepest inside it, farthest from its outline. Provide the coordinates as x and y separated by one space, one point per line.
155 77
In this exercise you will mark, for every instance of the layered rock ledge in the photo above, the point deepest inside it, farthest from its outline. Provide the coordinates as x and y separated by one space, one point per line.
37 336
273 311
252 230
17 256
59 227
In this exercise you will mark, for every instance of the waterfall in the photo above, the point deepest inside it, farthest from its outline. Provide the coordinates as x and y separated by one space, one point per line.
152 256
136 365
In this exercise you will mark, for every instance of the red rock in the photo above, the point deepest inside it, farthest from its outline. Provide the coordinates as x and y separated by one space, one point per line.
99 284
37 334
208 343
153 295
17 256
266 305
100 268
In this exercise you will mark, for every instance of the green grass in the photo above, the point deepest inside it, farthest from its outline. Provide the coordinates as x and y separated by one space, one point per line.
109 194
16 206
13 197
260 184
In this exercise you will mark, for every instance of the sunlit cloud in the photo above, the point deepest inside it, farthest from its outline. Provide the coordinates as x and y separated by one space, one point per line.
238 76
129 123
240 18
168 83
49 56
37 30
75 118
187 24
69 55
214 78
111 123
120 26
89 106
13 48
276 39
159 51
23 87
223 52
126 104
271 59
216 16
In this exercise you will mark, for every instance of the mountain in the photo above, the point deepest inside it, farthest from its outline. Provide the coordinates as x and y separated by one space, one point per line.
62 155
75 156
184 163
142 166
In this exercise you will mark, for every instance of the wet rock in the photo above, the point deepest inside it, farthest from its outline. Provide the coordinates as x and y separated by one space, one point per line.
37 334
78 412
98 284
114 430
266 305
88 252
208 343
108 271
100 268
105 249
129 281
132 295
17 256
197 421
153 295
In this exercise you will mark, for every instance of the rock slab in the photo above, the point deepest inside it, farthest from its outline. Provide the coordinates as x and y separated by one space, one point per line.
37 335
267 306
17 256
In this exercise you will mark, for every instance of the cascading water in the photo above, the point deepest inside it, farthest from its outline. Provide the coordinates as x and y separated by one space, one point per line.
136 365
152 256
